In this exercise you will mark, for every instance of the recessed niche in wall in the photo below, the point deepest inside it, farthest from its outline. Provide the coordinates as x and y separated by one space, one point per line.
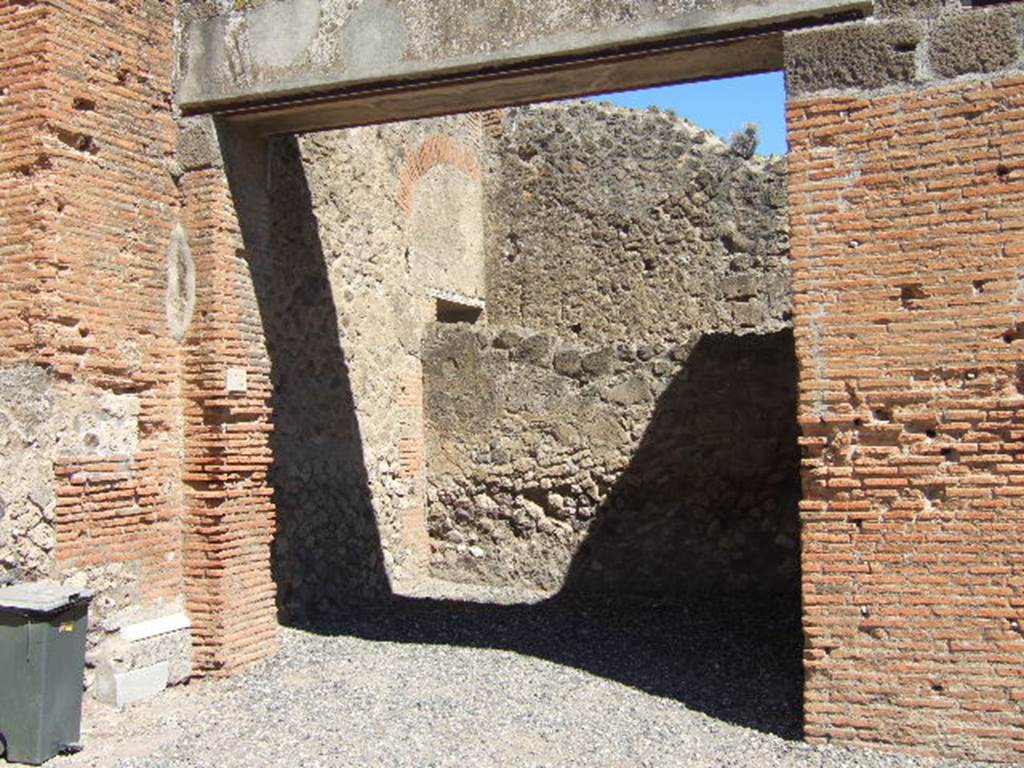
451 307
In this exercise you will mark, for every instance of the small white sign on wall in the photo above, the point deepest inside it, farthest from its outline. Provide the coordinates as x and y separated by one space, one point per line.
236 381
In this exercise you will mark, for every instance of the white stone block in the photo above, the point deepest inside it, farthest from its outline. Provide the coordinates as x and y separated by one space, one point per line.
162 626
123 688
236 381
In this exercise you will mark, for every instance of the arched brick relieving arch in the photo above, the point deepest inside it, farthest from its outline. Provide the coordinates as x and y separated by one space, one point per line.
439 149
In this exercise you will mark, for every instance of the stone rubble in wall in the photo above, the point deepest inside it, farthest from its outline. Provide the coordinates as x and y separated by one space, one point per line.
351 307
40 422
617 239
512 502
623 224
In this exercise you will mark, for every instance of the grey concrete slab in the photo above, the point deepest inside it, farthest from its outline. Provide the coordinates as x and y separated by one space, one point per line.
290 50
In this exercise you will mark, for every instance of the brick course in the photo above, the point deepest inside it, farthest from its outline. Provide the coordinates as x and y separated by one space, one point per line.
231 517
435 150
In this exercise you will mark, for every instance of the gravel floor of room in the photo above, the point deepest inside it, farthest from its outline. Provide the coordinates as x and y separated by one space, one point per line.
436 677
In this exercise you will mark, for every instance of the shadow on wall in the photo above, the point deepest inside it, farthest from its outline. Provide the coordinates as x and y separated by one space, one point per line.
327 551
709 501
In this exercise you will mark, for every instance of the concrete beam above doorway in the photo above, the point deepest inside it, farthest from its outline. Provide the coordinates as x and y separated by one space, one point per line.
311 64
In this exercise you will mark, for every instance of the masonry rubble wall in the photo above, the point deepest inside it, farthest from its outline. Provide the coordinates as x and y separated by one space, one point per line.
625 419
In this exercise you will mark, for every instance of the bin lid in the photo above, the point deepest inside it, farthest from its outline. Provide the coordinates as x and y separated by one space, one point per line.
40 598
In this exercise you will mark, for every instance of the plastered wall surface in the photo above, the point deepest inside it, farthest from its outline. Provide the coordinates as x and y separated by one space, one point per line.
377 220
27 489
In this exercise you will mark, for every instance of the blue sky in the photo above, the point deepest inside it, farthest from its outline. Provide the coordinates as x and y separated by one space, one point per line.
723 106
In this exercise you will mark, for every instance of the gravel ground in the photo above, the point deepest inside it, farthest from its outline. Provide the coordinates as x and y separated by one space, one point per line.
448 681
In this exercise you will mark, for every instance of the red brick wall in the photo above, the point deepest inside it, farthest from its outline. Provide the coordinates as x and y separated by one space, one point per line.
907 214
87 204
24 69
231 516
411 465
86 209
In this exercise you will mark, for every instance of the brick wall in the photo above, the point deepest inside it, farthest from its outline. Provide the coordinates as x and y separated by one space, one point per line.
906 215
90 194
231 517
23 102
86 210
411 464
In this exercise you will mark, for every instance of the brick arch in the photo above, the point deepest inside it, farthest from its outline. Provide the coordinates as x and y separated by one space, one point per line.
437 149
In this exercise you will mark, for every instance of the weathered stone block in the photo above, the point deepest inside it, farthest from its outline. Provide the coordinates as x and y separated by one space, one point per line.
749 314
168 638
598 363
198 145
740 287
974 41
508 339
918 8
236 381
535 349
567 362
143 659
123 688
274 48
865 55
629 392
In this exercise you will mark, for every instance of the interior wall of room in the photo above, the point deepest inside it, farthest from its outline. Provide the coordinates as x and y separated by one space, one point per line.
624 421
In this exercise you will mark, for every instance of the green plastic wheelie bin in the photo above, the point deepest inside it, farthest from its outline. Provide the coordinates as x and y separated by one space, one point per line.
42 656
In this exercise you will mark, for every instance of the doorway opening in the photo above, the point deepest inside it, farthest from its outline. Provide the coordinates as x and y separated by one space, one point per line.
597 439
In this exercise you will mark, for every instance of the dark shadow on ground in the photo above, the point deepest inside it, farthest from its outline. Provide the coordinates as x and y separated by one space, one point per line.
327 551
735 659
687 583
